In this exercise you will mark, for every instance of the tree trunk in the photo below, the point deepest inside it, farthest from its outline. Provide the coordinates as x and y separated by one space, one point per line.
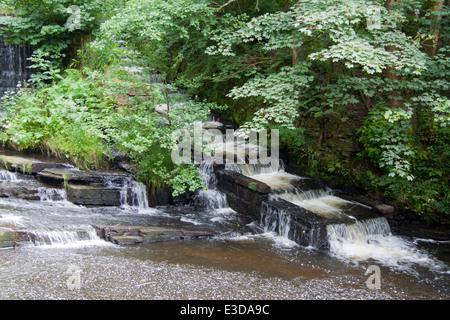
295 56
431 45
390 71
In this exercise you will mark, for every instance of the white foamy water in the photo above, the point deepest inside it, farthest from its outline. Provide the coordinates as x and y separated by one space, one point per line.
52 194
372 240
286 186
279 241
82 236
8 176
317 201
11 219
277 180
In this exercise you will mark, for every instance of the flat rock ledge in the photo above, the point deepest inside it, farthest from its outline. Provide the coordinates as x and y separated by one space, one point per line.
10 238
27 165
120 235
129 235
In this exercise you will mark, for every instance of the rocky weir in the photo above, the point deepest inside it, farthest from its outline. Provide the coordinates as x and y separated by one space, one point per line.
305 226
297 208
31 179
79 186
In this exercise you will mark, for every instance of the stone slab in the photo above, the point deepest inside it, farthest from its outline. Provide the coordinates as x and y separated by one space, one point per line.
127 235
26 165
93 195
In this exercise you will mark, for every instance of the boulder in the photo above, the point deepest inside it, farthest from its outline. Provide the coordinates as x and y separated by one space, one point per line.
244 194
10 238
126 240
384 208
19 191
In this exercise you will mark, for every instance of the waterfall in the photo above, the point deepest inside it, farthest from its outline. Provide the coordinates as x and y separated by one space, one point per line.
14 64
8 176
371 239
346 220
80 235
278 221
133 195
52 194
211 198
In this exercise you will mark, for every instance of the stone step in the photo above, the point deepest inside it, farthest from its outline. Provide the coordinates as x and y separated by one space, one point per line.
27 165
93 195
10 238
126 235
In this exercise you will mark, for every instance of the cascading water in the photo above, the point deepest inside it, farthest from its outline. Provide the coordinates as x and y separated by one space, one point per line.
372 239
301 191
134 195
211 198
8 176
278 222
52 194
77 236
13 63
354 239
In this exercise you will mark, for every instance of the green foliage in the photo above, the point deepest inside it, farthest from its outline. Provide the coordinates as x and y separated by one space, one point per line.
386 138
44 24
374 70
61 119
416 171
280 91
335 32
87 113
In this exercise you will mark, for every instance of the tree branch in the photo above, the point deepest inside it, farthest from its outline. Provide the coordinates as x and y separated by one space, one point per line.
224 5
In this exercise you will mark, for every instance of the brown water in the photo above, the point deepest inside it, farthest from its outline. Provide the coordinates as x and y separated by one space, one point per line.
243 263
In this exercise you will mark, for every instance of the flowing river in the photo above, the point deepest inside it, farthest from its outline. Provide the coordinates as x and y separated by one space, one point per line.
65 258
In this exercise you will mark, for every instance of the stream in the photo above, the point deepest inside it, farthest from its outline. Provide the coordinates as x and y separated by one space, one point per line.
243 261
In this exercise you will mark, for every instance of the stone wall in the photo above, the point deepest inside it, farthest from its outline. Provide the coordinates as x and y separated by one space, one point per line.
244 194
251 197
